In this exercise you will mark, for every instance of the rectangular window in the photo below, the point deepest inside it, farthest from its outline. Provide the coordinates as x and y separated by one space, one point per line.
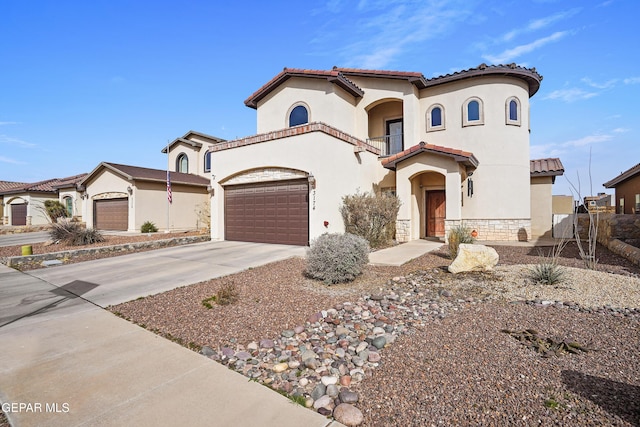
637 203
394 136
621 205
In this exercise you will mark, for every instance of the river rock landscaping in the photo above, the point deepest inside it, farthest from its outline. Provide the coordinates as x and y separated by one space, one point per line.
416 345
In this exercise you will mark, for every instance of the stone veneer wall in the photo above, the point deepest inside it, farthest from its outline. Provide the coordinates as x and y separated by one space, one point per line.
512 230
403 230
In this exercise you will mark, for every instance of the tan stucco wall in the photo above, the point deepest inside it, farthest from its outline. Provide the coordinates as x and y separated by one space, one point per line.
541 206
105 184
77 201
150 200
194 154
338 171
562 204
36 214
325 102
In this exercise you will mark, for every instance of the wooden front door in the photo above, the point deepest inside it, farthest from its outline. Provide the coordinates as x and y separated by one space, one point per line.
436 213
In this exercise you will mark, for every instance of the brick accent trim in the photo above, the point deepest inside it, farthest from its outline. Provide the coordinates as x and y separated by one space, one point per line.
293 131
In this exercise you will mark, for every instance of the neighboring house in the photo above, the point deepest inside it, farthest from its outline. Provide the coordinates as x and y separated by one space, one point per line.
599 203
627 186
190 153
123 197
24 204
543 175
454 149
70 195
6 185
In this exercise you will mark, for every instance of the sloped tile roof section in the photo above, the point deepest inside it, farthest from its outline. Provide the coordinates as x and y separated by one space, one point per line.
71 181
414 78
294 131
546 167
137 173
186 139
628 174
46 186
333 76
529 75
8 185
464 157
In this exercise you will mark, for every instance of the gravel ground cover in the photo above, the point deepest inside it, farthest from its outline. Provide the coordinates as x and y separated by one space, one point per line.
443 359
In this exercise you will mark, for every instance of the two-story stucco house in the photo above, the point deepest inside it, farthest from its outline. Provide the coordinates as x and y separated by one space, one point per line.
454 149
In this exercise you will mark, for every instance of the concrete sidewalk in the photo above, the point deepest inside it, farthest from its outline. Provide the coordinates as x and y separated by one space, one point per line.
72 363
405 252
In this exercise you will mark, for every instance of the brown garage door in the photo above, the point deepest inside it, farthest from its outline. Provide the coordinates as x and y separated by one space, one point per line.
111 214
19 214
268 212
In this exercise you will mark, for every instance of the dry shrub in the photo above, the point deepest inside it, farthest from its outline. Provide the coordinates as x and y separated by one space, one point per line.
337 258
74 234
371 217
226 295
457 235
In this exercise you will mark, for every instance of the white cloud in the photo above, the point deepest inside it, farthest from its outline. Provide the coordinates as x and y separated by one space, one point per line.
12 161
517 51
570 95
620 130
8 123
632 80
15 141
587 140
605 85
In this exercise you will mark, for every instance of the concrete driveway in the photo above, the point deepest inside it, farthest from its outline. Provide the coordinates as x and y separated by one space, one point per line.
23 238
71 363
111 281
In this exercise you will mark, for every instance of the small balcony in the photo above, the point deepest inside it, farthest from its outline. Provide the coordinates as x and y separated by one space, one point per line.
388 144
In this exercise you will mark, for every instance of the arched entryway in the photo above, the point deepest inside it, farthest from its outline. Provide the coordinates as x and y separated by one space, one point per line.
430 192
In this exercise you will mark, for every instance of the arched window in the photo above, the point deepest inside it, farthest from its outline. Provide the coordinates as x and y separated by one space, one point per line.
512 111
182 163
299 115
472 112
435 118
68 205
207 161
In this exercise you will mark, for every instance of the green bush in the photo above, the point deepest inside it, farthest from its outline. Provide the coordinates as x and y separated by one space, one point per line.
148 227
547 273
457 235
371 217
55 210
337 258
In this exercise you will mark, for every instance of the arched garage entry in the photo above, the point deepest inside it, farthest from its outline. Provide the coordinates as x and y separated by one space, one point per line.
269 205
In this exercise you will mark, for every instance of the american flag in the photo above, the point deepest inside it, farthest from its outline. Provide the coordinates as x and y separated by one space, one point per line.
169 196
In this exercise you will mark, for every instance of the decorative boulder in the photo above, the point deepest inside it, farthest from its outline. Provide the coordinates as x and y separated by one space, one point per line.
348 415
474 258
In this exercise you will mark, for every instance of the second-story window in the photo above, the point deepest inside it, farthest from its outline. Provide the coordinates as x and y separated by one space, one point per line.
298 116
512 111
435 118
182 163
207 161
472 112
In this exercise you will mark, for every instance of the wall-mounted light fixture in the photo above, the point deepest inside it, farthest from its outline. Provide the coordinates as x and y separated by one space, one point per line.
129 190
312 181
469 187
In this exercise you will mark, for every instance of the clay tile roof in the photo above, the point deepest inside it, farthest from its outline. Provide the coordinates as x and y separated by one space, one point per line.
412 77
464 157
8 185
546 167
70 181
137 173
629 173
529 75
332 76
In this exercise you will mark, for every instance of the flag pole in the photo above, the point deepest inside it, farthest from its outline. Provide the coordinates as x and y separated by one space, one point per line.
169 195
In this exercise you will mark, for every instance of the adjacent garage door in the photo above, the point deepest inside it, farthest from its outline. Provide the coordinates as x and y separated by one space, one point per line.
111 214
19 214
268 212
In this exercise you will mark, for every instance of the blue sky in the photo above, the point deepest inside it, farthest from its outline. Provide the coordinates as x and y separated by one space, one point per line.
88 81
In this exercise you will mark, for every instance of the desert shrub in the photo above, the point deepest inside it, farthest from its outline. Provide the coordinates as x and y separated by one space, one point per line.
74 234
457 235
55 210
547 273
148 227
371 216
227 294
337 258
